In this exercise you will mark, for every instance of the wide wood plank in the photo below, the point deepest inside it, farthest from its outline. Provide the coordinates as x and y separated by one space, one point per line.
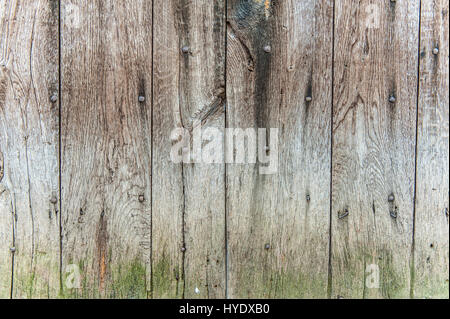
29 147
188 212
374 124
431 242
106 62
279 76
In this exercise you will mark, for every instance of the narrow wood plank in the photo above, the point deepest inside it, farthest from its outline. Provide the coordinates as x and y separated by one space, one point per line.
376 46
29 143
278 57
432 190
188 212
6 234
106 147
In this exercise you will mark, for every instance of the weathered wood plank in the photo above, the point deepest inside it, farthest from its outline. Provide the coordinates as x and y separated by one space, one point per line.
6 235
188 212
432 189
279 76
376 45
106 147
29 143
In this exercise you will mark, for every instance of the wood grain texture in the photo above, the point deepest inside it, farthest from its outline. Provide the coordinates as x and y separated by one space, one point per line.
278 224
432 190
188 213
375 58
29 143
357 206
6 240
106 64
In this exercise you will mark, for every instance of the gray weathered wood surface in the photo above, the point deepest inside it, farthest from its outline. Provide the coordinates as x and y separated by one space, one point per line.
93 94
188 209
29 144
106 64
431 240
373 146
278 223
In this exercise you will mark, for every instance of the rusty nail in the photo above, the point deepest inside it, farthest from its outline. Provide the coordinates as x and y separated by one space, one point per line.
392 99
141 198
185 49
183 249
391 198
345 214
267 48
308 99
436 51
53 98
12 249
141 98
267 246
53 200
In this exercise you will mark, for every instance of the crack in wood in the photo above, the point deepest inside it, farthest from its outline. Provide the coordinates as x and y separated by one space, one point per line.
1 166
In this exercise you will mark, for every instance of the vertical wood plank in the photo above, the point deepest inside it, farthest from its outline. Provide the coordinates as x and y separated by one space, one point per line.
278 57
376 46
6 235
29 143
188 212
432 190
106 147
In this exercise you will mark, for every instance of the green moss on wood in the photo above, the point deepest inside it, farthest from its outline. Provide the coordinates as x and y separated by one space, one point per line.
123 281
167 280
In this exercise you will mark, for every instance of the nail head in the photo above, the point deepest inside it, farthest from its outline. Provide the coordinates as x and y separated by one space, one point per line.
12 249
141 98
435 51
391 198
141 198
53 200
53 98
185 49
267 246
183 249
267 48
392 99
308 99
343 215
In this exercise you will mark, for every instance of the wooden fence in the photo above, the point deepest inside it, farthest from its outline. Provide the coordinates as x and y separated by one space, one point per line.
91 204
